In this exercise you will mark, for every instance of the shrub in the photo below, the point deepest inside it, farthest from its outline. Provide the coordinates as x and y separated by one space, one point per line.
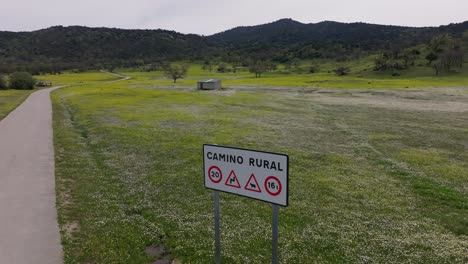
314 68
223 68
3 85
22 81
341 71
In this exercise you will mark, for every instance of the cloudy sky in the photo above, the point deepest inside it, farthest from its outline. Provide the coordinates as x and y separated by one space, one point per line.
212 16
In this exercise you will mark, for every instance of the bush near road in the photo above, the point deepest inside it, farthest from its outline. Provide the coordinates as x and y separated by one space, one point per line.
3 83
22 81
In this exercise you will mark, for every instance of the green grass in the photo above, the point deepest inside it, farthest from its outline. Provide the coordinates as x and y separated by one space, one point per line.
368 184
68 78
10 99
361 76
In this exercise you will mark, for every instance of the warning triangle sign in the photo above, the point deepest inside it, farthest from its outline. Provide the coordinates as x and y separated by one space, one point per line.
232 180
252 184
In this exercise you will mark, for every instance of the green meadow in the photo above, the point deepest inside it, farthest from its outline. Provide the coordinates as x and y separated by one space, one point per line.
10 99
376 175
360 76
70 78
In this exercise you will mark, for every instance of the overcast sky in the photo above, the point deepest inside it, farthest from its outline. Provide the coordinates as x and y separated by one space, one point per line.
212 16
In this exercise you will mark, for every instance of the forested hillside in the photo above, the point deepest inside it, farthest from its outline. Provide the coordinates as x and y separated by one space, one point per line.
81 47
59 48
287 38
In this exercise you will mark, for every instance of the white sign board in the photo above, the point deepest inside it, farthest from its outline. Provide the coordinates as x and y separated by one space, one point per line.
255 174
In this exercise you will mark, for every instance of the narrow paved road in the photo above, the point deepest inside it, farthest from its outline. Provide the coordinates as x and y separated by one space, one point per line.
29 232
123 77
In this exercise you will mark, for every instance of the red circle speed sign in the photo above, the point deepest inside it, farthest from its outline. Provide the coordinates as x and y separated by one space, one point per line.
215 174
273 185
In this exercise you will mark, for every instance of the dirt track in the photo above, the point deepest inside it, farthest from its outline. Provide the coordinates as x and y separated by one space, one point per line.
448 99
453 99
29 232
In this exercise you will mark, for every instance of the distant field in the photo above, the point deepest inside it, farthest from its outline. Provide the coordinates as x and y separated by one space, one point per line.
77 78
358 78
10 99
377 176
361 76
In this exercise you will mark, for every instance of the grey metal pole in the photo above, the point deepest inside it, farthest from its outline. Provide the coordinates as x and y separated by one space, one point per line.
217 235
274 238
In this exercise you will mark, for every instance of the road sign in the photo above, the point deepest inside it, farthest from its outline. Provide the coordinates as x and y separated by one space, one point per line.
252 184
251 173
232 180
273 185
215 174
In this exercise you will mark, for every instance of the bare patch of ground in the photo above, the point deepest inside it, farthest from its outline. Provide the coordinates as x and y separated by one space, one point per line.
71 228
447 100
423 99
453 99
161 253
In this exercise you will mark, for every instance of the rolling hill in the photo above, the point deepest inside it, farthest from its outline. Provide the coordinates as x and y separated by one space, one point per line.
77 46
326 39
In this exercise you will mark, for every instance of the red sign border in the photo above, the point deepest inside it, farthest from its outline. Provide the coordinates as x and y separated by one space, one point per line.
248 181
235 177
279 183
220 174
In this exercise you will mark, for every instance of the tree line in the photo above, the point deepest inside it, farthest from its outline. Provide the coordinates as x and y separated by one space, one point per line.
444 53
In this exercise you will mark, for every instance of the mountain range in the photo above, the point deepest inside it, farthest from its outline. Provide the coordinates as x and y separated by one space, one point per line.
77 46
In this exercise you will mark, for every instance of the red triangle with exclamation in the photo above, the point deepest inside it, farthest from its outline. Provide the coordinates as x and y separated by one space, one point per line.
252 184
232 180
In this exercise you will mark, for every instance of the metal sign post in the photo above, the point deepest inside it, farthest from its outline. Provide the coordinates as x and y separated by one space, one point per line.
217 235
274 235
255 174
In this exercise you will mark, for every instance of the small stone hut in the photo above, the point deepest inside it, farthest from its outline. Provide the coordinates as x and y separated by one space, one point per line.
209 84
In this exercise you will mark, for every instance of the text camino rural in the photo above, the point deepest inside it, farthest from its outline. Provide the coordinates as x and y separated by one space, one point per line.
253 162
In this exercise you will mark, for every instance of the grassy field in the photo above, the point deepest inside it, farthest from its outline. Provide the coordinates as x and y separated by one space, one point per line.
376 176
361 76
10 99
68 78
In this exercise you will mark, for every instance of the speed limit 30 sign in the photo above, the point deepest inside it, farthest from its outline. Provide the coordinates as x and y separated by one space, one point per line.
251 173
